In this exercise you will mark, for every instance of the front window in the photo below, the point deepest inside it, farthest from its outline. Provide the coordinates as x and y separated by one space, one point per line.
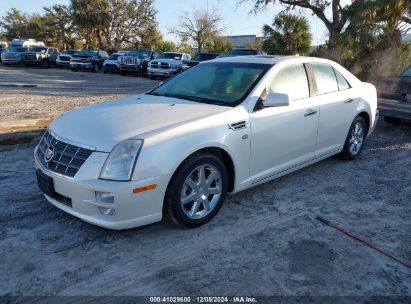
176 56
140 53
204 57
113 57
291 80
220 83
407 73
240 52
37 49
69 52
18 49
87 53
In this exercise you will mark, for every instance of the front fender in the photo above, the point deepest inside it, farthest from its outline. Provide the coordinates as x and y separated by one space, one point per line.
163 153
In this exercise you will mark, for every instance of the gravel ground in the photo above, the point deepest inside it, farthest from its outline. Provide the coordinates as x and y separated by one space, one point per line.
56 91
264 241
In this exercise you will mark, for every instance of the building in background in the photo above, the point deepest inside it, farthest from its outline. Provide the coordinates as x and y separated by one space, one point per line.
243 41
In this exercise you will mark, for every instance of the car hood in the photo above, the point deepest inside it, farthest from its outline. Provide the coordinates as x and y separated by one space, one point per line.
104 125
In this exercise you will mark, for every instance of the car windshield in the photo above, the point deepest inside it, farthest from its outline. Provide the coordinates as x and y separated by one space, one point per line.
113 57
176 56
220 83
37 49
240 52
407 73
69 52
204 57
140 53
87 53
18 49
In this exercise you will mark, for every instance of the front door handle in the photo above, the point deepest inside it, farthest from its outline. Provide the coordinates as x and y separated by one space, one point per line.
310 112
349 100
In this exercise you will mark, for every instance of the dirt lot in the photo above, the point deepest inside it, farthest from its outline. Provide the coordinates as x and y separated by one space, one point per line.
56 91
265 241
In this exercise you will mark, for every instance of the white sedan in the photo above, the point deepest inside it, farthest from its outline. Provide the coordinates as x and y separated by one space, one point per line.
220 127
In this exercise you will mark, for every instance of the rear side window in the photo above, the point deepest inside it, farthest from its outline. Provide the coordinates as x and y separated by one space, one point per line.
291 80
325 78
341 81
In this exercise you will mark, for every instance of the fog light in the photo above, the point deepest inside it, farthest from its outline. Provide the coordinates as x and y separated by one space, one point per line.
105 197
107 211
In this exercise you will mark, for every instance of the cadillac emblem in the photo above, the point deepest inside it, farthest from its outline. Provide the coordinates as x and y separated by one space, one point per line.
49 154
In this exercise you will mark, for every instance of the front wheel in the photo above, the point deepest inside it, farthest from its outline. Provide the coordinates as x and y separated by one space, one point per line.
355 140
197 191
96 68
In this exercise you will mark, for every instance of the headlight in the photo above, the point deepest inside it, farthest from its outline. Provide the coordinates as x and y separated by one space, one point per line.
120 163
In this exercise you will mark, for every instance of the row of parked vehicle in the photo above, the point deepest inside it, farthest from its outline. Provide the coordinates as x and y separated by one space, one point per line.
140 62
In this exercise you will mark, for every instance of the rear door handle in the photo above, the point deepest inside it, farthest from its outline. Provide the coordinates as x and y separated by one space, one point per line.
349 100
310 112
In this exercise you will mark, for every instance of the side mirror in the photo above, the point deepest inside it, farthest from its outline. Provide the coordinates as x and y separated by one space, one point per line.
276 100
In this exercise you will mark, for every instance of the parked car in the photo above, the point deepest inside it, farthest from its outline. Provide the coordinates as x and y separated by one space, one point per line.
3 47
63 60
26 43
167 64
395 104
136 61
88 60
220 127
40 56
12 56
111 64
200 57
243 52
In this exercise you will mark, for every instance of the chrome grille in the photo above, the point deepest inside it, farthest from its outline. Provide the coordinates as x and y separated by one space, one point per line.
67 158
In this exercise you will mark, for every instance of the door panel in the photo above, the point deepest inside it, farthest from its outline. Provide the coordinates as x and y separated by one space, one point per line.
337 103
283 137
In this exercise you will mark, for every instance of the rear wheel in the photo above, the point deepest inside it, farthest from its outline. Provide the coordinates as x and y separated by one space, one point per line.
197 191
355 140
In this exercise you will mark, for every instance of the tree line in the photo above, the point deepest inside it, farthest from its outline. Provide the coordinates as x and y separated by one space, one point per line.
113 25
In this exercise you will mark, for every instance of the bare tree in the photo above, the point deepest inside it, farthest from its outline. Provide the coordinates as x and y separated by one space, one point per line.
199 27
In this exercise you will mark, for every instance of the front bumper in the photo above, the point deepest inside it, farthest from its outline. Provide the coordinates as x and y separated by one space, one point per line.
11 61
161 72
131 210
62 63
81 65
110 68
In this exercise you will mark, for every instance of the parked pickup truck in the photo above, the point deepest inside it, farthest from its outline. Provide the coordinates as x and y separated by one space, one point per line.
394 102
40 55
167 64
12 56
111 64
136 61
63 60
200 57
88 60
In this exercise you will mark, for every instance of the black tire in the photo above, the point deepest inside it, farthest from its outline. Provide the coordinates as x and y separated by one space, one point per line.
392 120
74 70
96 68
173 210
346 153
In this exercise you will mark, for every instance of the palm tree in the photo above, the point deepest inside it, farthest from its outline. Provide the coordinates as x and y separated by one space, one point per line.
289 35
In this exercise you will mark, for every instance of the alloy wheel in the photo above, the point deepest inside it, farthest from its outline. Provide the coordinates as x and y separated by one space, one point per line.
357 138
201 191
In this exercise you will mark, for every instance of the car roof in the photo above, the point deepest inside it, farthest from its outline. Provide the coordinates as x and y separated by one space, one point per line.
268 59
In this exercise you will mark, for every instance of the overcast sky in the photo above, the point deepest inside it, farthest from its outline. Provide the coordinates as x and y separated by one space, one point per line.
237 20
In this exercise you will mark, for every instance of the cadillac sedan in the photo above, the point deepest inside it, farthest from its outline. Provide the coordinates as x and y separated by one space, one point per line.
220 127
